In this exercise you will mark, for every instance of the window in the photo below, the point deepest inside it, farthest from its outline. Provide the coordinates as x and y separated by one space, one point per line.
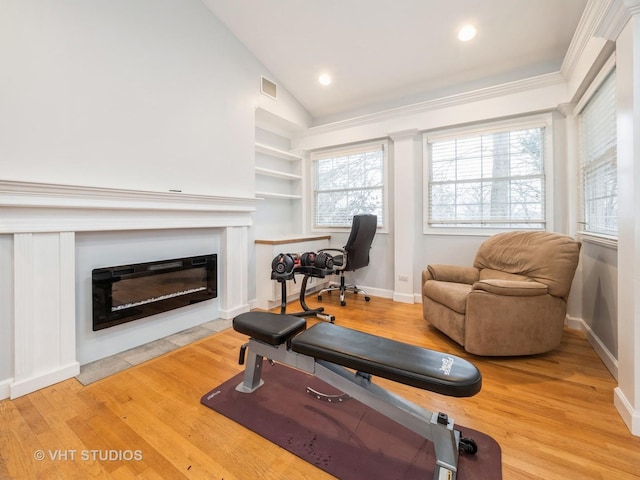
598 155
347 182
486 179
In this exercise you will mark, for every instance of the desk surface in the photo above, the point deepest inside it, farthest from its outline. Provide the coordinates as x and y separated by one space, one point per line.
292 238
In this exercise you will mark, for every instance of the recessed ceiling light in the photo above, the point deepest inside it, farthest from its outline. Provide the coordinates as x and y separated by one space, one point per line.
324 79
466 33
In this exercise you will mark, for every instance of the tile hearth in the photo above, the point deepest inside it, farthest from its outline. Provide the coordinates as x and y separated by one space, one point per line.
94 371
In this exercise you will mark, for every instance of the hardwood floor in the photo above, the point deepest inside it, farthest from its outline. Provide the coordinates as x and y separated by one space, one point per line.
553 414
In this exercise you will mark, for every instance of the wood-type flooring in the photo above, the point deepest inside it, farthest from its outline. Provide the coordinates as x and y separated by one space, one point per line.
552 414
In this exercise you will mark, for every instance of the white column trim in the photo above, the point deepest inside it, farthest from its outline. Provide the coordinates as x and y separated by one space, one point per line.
44 319
406 152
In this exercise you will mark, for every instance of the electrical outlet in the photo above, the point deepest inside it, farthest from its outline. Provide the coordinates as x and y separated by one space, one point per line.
403 278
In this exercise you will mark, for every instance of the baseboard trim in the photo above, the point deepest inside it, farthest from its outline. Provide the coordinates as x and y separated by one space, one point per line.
5 388
630 416
403 297
28 385
234 312
601 350
377 292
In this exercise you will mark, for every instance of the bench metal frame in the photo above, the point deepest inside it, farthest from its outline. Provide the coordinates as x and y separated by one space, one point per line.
433 426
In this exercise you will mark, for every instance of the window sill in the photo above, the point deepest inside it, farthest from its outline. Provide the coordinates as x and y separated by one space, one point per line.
597 239
471 232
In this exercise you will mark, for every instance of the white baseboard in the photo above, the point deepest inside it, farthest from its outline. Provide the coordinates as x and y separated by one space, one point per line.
5 388
630 416
603 352
234 312
403 297
378 292
34 383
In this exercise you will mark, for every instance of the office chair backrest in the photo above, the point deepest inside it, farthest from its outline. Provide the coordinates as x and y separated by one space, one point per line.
363 229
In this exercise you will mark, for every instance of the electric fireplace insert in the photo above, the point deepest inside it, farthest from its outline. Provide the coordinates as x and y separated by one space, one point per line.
128 292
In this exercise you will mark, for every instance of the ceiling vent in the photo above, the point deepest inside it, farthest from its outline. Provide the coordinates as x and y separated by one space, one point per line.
269 88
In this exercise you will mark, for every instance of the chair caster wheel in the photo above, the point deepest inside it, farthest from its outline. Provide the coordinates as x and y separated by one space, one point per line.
468 446
366 299
343 303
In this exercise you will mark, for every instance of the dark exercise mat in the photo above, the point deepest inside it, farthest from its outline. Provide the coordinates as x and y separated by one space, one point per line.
346 439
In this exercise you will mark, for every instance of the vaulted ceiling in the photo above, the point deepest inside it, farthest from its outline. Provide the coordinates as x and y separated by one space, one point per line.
383 54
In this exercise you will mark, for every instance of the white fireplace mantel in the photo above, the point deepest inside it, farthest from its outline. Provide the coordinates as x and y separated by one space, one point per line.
43 220
39 207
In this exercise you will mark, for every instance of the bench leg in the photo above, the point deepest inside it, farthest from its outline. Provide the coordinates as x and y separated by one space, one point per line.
252 374
258 351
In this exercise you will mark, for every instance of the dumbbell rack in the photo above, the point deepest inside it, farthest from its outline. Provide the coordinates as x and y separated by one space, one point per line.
307 273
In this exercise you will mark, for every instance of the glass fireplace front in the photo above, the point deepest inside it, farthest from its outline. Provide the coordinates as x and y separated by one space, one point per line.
128 292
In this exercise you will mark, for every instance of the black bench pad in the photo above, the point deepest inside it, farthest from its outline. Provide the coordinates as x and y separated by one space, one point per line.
400 362
269 327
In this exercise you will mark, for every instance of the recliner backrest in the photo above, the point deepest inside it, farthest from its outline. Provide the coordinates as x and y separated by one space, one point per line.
546 257
363 229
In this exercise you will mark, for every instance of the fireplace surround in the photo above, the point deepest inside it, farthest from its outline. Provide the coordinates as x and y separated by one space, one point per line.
49 301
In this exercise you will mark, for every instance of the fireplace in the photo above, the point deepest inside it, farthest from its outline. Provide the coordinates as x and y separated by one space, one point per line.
128 292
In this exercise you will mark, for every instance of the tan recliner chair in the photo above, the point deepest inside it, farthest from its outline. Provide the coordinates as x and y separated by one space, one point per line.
513 301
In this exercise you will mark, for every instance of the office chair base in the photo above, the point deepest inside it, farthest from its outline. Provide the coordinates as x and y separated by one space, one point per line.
343 289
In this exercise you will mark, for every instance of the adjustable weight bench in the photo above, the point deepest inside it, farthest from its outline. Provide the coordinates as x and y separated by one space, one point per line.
332 353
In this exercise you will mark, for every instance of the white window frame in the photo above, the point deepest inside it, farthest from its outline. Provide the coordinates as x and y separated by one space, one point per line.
522 123
599 238
383 224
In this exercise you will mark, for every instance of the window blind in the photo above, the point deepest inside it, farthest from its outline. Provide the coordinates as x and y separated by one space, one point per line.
348 182
487 180
598 160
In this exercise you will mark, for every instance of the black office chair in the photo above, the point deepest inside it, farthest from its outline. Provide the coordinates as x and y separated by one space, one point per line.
354 255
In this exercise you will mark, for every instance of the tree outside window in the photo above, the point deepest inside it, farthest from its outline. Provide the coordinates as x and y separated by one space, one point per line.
490 180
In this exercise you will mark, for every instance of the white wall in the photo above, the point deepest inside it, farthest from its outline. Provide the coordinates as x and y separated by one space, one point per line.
148 95
598 308
627 395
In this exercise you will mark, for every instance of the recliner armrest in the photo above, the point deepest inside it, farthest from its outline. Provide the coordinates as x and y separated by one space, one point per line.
514 288
451 273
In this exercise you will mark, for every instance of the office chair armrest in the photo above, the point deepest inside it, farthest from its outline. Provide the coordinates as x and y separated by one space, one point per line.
340 260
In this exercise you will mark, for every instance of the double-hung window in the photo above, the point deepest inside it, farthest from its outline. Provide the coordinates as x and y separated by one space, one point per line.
598 157
487 179
348 181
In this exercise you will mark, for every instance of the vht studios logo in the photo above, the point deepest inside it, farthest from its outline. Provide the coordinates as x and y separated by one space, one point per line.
59 455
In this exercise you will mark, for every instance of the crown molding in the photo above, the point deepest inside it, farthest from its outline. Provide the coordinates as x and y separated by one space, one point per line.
616 17
592 16
496 91
404 134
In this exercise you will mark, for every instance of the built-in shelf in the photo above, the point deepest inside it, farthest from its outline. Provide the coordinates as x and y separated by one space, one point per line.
279 167
276 152
277 173
282 196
